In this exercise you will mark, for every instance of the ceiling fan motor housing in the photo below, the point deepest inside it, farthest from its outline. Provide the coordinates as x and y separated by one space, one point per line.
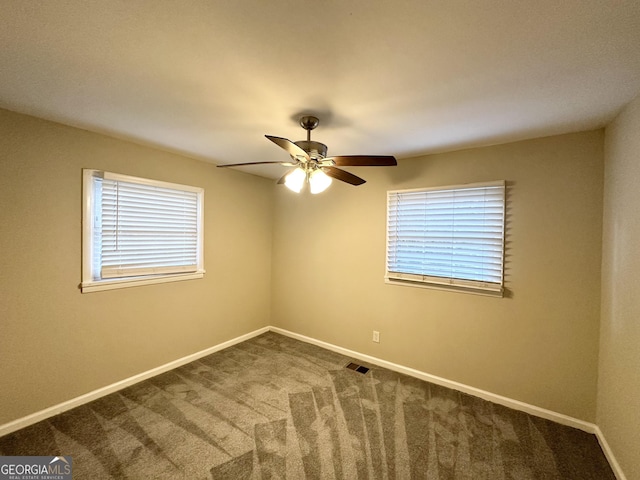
316 150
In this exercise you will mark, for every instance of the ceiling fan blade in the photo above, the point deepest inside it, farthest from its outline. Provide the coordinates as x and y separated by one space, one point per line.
343 175
283 178
286 164
291 148
363 160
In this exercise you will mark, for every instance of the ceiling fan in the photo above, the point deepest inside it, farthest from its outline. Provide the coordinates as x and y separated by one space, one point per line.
312 164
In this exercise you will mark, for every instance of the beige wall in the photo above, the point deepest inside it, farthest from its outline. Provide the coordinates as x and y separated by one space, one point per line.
619 374
56 343
539 345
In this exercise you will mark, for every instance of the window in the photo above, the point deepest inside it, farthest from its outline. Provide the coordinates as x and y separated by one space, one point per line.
448 236
138 231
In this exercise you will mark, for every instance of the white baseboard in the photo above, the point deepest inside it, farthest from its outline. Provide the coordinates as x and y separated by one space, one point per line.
615 466
114 387
476 392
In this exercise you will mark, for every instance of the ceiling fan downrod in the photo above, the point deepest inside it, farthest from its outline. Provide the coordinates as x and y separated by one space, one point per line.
316 150
309 122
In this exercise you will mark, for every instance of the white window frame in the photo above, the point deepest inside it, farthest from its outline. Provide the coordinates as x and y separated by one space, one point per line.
447 282
91 281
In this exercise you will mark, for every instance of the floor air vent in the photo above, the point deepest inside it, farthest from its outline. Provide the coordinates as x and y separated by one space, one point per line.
357 368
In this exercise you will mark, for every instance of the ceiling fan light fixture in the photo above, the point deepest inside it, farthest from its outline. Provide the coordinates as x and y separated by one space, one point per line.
295 180
319 181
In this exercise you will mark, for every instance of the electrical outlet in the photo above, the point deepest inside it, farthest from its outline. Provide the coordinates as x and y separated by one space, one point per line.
376 336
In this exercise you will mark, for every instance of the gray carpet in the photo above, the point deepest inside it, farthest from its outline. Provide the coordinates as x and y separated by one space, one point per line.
274 408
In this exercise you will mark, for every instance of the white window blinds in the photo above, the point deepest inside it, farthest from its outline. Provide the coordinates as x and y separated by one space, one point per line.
143 227
447 236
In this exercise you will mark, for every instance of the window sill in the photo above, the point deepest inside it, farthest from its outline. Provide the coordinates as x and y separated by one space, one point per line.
445 287
112 284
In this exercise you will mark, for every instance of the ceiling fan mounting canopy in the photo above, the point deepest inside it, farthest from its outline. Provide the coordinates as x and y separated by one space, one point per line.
312 164
309 122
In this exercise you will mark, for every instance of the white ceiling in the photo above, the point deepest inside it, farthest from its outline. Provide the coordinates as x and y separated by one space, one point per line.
210 78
